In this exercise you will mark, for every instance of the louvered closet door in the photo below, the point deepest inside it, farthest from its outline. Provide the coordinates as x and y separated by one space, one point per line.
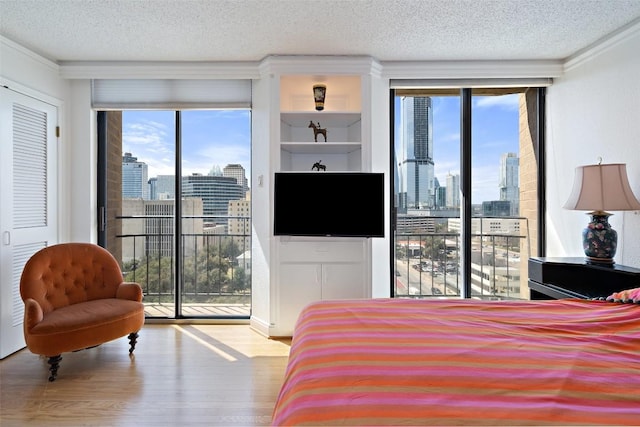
28 222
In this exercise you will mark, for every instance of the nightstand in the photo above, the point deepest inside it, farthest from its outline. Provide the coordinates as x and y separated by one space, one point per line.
555 278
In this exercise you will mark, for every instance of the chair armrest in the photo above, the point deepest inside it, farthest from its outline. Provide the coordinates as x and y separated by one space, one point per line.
129 290
32 314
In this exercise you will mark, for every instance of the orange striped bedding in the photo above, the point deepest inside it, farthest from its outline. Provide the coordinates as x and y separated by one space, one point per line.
463 362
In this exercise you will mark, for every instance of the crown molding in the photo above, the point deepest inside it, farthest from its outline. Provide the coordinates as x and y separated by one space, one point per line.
9 44
158 70
471 69
320 65
311 65
602 45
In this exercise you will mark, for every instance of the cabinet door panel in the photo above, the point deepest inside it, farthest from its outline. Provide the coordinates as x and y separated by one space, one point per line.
299 285
340 281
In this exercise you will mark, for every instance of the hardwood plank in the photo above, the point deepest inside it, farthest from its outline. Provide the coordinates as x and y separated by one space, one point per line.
214 375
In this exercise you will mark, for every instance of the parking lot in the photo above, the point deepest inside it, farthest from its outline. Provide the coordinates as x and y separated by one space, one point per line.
424 277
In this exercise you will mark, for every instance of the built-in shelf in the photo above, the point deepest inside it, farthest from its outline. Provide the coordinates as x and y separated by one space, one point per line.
315 268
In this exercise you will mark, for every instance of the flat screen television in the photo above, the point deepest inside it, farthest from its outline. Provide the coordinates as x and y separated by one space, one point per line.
339 204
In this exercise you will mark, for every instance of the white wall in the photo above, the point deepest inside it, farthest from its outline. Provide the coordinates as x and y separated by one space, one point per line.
593 111
261 268
82 164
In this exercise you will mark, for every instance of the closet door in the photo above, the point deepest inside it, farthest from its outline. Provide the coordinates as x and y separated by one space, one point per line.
28 188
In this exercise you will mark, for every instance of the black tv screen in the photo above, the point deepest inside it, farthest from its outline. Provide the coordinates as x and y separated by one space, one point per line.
341 204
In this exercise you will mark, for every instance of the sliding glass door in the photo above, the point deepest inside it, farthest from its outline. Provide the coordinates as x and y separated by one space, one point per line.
453 239
199 265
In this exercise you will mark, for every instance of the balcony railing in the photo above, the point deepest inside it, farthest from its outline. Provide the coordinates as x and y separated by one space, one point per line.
428 264
214 264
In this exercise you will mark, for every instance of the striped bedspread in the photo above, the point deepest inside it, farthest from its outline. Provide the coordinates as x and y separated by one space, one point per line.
464 362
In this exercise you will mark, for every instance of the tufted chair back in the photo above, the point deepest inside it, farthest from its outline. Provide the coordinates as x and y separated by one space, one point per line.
70 273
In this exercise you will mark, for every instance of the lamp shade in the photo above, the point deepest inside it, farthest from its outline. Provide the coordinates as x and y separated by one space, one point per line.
602 188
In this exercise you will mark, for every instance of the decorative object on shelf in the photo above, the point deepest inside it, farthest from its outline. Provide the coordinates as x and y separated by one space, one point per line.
319 93
317 130
319 166
601 188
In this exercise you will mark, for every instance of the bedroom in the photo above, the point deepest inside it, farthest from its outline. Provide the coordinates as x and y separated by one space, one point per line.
592 104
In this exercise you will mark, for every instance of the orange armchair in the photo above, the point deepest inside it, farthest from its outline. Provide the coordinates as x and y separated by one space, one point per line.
75 298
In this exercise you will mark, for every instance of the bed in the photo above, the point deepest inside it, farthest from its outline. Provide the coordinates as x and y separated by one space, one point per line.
463 362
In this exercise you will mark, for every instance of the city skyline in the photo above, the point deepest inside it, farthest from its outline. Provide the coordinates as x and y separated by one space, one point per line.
495 131
210 139
214 138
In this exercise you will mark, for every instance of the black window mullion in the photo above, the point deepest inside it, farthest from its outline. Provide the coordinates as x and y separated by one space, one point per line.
102 178
465 190
542 185
178 219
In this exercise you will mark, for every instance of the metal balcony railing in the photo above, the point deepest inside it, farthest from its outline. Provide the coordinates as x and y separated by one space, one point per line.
428 264
215 264
214 275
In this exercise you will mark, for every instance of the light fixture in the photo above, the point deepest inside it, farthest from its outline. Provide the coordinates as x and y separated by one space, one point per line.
319 92
601 188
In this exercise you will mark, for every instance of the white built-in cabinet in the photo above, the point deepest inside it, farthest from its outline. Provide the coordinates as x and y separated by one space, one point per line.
319 270
309 269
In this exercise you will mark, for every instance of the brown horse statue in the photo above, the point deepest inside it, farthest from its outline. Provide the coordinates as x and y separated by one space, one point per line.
318 130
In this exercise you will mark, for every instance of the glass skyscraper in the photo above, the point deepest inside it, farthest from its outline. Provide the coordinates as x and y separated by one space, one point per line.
453 191
215 192
510 181
135 184
415 156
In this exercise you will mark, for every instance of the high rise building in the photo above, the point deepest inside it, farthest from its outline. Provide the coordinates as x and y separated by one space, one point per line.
215 192
510 181
240 221
453 191
153 188
152 224
415 172
496 208
440 194
166 187
236 171
134 178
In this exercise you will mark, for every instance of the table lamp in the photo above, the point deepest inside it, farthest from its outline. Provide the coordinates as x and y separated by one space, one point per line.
601 188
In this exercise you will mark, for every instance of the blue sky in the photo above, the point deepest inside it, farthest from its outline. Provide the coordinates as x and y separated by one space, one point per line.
220 137
494 132
209 138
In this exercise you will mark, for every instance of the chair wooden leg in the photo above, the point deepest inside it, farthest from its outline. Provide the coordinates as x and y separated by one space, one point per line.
54 363
133 339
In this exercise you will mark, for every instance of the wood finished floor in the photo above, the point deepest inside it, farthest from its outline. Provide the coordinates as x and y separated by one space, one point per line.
180 375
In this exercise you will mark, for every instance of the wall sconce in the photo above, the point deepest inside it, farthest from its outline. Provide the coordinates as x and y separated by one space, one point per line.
601 188
319 92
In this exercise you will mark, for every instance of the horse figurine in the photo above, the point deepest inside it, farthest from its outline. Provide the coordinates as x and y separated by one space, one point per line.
318 130
319 166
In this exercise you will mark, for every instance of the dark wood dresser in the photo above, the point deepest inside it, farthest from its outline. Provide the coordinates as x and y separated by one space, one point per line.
555 278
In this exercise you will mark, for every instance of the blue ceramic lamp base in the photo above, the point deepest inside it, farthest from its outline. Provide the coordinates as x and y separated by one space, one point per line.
599 240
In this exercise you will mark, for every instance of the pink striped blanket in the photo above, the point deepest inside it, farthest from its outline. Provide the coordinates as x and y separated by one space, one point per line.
463 362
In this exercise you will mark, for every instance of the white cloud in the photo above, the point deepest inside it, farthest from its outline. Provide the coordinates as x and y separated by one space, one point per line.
509 102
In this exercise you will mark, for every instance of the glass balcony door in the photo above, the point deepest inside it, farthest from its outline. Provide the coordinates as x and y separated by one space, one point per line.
433 158
216 213
198 266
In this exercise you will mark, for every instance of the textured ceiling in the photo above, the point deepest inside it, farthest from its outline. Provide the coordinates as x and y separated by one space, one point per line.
249 30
